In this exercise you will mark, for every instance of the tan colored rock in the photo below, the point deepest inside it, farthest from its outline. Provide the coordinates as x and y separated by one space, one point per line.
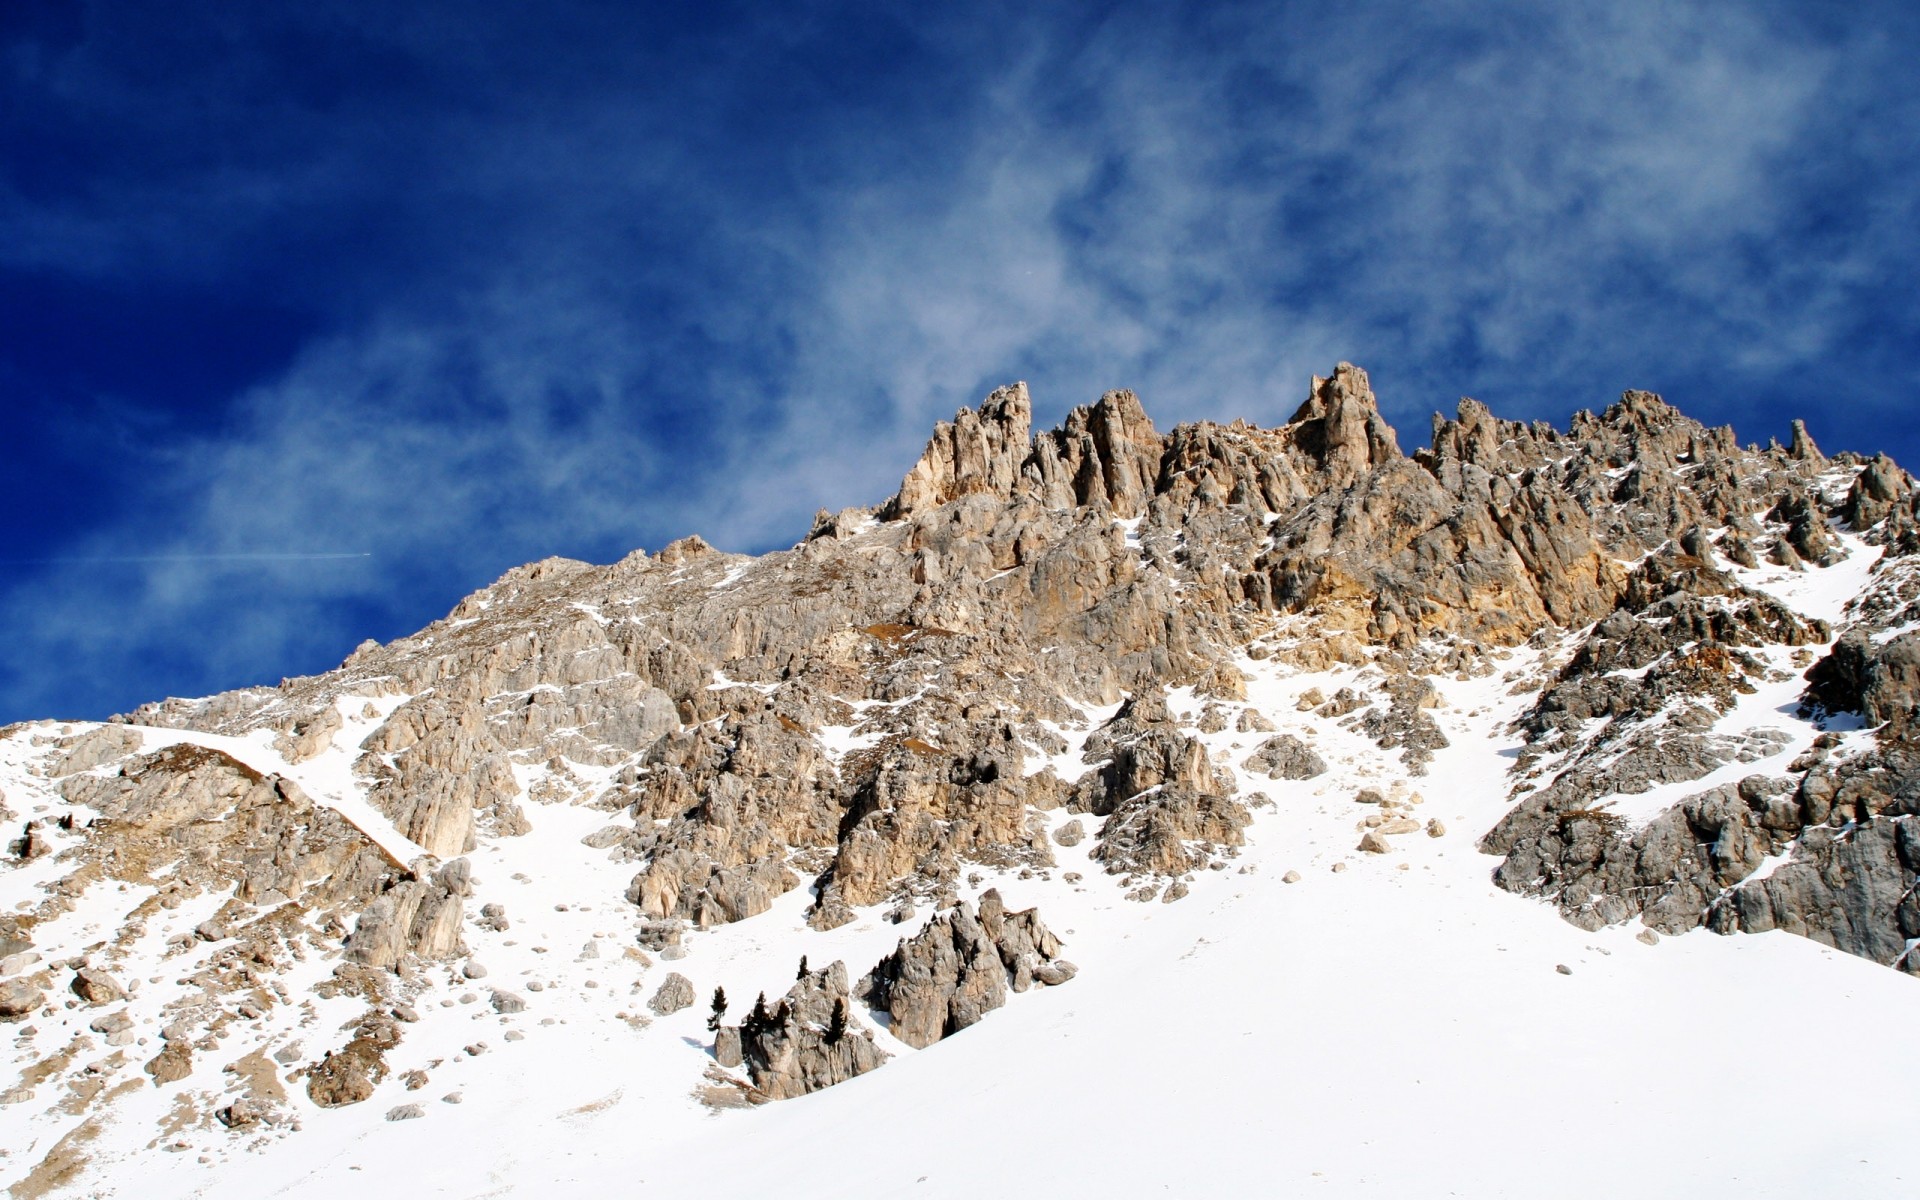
172 1064
19 999
96 987
350 1074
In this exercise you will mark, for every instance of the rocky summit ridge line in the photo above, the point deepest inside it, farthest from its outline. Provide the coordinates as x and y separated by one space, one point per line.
1045 651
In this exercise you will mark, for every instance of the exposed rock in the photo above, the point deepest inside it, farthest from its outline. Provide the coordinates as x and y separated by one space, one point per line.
960 967
99 746
96 987
19 999
882 714
1285 757
238 1115
674 993
418 914
808 1041
349 1075
111 1023
727 1049
172 1064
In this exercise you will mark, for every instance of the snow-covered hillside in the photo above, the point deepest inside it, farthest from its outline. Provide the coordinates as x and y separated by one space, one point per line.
446 921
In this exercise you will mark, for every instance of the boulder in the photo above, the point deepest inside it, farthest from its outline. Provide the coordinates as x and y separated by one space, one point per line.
96 987
674 993
19 999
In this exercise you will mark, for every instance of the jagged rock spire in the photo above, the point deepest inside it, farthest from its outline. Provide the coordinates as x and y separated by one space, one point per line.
1341 428
1803 448
978 451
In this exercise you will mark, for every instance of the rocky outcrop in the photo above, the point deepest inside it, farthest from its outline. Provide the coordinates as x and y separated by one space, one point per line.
418 913
808 1041
213 823
1851 888
1880 680
350 1074
1167 811
980 451
1285 756
883 714
960 967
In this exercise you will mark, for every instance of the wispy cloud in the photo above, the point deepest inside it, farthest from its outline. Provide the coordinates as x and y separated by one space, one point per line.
599 315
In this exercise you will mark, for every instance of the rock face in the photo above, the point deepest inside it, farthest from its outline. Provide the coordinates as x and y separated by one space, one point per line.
415 914
1662 676
959 968
808 1041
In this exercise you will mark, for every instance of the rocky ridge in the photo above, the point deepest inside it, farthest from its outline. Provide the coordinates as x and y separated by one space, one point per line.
1714 647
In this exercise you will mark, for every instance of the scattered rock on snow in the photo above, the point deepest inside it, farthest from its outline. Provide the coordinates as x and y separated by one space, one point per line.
675 993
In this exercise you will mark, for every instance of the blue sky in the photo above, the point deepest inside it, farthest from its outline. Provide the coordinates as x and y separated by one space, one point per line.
315 317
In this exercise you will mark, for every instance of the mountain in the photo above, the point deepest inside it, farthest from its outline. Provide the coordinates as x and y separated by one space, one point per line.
1110 811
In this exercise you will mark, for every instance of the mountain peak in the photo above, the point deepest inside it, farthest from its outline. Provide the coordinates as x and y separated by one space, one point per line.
1340 428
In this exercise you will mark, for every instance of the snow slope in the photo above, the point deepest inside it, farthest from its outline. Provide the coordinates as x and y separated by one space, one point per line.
1388 1025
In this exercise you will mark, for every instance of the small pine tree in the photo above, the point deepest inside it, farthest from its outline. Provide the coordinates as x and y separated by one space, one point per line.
757 1020
803 968
719 1009
837 1024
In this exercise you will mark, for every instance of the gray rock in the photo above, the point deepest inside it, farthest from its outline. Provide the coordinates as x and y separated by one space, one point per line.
960 967
674 993
1285 757
19 961
605 837
810 1040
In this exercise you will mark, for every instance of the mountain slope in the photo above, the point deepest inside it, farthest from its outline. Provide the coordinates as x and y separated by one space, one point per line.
1227 708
